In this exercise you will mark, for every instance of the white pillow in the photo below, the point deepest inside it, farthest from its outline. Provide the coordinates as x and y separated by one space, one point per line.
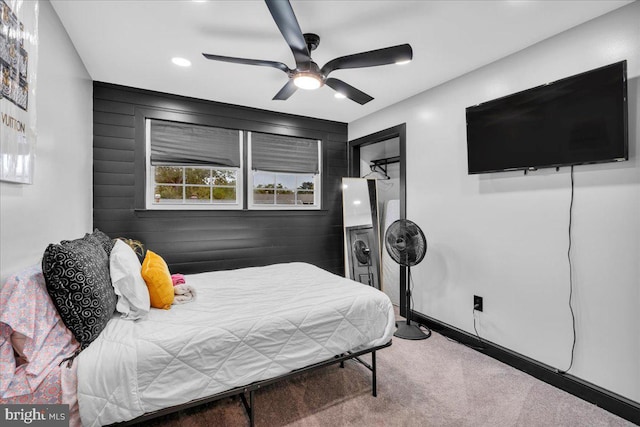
133 295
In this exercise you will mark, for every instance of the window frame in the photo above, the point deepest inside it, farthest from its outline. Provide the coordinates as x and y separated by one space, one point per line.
317 184
183 204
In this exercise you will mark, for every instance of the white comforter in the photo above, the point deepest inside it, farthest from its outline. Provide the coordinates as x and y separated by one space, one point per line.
246 325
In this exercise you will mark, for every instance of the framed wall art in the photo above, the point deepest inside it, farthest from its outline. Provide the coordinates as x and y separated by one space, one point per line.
18 56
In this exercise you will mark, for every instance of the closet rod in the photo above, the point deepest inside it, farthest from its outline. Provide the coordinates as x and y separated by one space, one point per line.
385 161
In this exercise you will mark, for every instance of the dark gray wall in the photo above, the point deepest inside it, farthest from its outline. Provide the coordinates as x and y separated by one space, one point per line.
196 241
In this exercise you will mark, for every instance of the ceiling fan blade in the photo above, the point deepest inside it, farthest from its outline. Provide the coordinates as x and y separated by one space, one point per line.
287 23
274 64
349 91
286 91
372 58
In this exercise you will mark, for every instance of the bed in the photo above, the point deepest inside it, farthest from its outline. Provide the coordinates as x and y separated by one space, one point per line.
246 328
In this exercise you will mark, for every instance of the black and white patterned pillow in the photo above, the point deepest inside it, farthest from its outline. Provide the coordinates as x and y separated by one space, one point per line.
76 273
102 239
98 238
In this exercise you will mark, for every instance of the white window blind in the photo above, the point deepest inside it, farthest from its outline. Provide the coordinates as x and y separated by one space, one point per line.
188 144
277 153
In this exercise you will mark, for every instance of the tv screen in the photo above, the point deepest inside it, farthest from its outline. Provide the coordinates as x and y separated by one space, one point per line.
577 120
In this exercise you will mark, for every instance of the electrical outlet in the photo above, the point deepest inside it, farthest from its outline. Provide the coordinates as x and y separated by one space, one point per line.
477 303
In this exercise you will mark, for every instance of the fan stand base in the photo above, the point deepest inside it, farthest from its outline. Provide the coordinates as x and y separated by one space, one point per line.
411 332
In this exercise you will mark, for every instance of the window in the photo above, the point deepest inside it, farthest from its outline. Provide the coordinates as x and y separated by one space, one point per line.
201 167
283 189
285 172
190 185
193 167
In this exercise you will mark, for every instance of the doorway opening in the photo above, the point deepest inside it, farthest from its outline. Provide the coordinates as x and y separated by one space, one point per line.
382 155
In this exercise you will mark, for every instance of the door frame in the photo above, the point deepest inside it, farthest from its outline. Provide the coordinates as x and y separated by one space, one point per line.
353 161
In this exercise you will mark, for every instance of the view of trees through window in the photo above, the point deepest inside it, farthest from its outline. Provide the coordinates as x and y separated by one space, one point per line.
178 184
283 189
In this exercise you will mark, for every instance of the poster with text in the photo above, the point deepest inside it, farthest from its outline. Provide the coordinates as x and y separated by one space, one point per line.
18 60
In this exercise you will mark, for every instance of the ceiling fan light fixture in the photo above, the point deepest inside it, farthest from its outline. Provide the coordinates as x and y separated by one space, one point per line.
307 80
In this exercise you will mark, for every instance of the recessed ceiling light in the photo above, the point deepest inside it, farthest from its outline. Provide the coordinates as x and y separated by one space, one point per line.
339 95
181 62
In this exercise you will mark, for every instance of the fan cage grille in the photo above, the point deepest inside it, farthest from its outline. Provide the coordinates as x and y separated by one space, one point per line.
405 242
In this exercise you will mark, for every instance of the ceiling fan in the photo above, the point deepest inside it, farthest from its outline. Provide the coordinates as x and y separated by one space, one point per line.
307 74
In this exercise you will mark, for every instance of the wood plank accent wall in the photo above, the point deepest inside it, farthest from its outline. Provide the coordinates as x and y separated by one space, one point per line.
196 241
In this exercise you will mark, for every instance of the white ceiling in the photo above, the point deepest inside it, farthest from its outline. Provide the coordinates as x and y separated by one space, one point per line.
132 42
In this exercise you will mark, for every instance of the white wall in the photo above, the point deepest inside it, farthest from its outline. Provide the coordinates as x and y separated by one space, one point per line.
504 236
59 203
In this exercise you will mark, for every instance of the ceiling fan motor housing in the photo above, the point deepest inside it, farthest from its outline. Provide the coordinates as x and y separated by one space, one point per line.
312 40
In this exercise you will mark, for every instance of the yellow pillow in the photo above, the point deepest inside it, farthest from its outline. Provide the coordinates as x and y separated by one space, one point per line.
158 279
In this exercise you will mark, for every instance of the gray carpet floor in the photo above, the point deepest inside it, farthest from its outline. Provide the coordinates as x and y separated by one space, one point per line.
434 382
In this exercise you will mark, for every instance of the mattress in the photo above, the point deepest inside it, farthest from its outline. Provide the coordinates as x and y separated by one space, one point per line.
246 325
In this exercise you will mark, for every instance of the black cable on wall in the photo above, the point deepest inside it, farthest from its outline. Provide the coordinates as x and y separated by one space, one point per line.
573 317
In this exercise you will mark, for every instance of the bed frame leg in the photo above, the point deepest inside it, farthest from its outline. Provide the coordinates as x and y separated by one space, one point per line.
374 385
251 412
248 407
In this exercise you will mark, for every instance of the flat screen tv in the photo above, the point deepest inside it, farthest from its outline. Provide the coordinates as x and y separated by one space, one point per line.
577 120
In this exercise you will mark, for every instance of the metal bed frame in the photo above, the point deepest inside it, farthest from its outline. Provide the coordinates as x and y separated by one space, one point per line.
249 404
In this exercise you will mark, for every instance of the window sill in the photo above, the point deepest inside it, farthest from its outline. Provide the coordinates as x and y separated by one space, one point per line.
159 213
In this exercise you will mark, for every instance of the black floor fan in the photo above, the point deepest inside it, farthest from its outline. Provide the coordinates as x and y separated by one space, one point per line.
406 244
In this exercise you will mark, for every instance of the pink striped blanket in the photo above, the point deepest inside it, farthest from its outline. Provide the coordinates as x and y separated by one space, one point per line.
31 327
